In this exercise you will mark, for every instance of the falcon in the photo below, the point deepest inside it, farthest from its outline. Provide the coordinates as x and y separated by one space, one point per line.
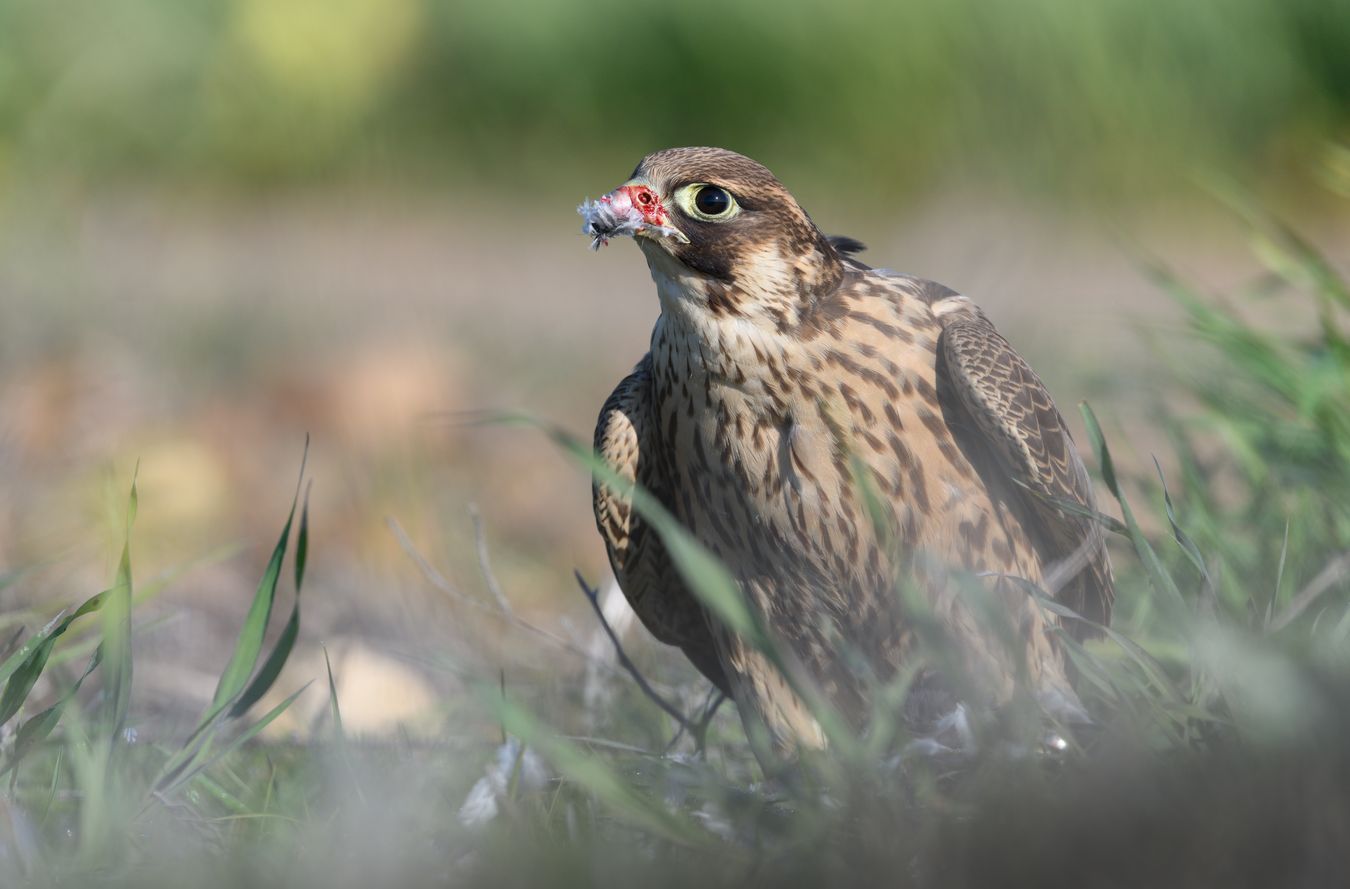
865 453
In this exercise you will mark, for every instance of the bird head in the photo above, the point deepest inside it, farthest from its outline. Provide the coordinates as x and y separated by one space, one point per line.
715 225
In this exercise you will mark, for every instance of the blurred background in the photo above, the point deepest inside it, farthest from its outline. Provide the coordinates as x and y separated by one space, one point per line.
225 225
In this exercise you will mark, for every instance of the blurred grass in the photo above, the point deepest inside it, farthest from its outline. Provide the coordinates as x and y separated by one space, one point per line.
1111 99
1272 443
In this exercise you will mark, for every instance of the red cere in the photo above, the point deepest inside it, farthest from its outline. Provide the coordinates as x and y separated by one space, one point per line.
648 203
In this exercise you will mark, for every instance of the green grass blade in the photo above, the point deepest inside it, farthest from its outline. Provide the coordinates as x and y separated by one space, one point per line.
249 646
1069 507
339 731
333 707
1157 572
35 730
1183 539
21 669
1155 671
16 660
21 683
117 632
233 685
281 652
272 667
302 542
193 746
204 762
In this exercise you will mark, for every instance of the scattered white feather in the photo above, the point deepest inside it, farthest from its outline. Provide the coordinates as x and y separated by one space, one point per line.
481 805
952 736
615 217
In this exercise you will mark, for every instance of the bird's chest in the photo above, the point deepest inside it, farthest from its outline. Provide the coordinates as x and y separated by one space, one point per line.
772 455
756 470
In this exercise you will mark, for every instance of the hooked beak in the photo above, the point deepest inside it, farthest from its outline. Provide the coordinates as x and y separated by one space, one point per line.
633 208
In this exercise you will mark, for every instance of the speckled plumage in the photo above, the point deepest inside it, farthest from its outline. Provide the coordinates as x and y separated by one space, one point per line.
781 369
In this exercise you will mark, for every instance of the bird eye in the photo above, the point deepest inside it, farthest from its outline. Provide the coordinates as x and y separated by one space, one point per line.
712 201
709 203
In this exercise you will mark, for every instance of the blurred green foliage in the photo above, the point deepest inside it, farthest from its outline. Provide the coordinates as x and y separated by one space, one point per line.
1067 98
1263 430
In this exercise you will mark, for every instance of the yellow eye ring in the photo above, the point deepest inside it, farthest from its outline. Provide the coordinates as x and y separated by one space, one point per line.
706 202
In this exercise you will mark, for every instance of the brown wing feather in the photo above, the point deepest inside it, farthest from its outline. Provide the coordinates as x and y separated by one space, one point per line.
623 439
1026 435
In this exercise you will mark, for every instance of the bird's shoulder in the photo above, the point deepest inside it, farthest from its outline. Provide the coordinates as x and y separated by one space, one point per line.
905 340
1015 424
877 312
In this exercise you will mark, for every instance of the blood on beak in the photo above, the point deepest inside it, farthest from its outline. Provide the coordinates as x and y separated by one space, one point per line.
631 209
646 202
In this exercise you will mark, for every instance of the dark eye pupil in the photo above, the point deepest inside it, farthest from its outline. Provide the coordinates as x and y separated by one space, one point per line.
712 201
